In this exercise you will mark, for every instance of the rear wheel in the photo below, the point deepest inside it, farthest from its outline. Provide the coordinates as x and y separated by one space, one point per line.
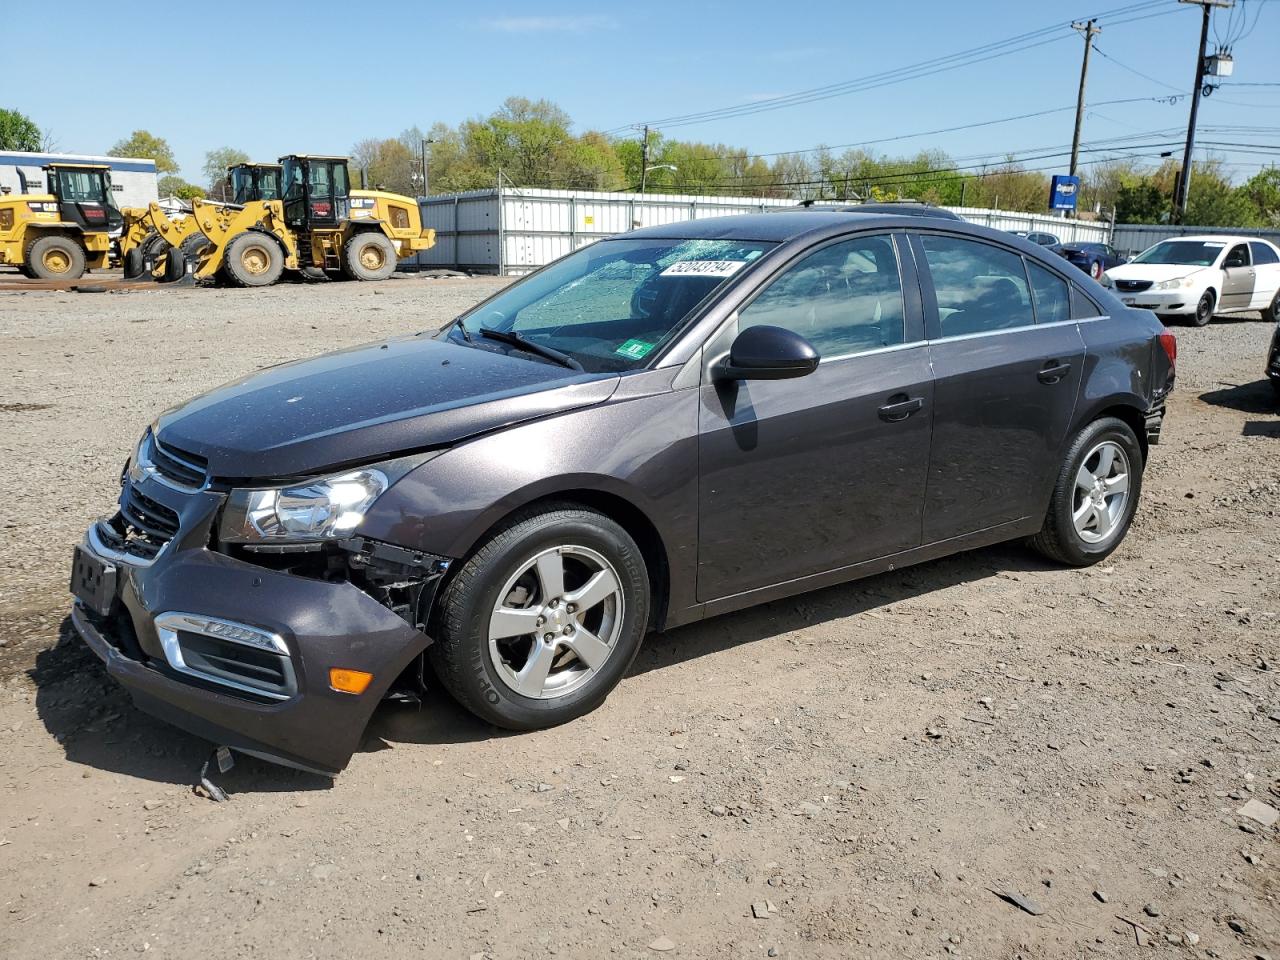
1095 270
1095 496
369 256
56 258
1204 309
544 619
253 260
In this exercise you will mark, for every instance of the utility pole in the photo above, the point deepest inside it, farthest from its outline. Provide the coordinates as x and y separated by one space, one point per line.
644 159
1089 31
1183 188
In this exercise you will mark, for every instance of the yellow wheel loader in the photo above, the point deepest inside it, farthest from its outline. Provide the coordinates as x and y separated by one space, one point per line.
320 226
254 181
65 228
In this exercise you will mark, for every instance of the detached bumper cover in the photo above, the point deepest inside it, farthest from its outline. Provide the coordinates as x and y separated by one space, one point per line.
322 624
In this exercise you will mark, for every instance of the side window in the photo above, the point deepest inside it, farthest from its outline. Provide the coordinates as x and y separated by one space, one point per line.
1238 257
1081 306
1263 253
1053 302
979 287
843 298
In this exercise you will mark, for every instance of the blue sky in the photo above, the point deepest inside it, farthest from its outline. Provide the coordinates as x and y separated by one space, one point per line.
318 77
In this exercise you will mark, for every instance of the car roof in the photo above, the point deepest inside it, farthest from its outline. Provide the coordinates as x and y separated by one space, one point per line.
1218 238
787 225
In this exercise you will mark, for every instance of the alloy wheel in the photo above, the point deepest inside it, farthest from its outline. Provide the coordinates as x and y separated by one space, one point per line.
556 622
1101 492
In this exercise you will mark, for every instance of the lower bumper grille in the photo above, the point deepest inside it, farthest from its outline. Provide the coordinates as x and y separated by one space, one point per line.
231 655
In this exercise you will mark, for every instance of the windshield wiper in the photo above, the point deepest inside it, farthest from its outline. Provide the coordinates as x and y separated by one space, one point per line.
462 329
514 339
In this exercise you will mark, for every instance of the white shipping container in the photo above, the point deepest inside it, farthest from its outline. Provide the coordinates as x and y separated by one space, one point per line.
512 231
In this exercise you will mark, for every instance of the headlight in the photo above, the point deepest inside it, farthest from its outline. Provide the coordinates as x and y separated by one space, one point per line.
1175 283
1107 282
326 509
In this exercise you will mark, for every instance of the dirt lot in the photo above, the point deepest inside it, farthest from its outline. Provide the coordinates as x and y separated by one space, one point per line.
851 773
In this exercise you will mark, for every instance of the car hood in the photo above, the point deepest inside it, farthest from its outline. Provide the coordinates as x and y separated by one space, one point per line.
1155 272
369 403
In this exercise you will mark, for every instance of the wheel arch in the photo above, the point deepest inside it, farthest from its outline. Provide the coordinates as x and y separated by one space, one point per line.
1121 408
614 505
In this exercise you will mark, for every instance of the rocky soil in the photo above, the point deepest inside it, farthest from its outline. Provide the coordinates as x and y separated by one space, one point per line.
986 756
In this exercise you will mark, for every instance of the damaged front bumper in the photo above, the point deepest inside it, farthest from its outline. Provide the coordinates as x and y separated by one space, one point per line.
239 649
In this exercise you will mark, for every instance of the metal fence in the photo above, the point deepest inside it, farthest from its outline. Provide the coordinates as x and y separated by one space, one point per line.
511 231
1132 238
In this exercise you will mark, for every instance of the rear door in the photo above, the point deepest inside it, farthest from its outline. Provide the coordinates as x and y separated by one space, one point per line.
1237 278
807 475
1007 361
1266 273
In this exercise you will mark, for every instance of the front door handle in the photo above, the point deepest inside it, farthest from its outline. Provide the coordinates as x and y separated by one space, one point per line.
900 406
1053 371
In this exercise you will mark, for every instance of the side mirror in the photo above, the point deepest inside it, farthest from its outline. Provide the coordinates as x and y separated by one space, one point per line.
768 353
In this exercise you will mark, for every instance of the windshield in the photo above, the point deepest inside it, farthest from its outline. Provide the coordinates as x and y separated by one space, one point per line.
611 305
1190 253
83 186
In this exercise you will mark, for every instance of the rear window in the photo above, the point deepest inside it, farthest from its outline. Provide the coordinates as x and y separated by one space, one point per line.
1050 295
1082 306
1263 253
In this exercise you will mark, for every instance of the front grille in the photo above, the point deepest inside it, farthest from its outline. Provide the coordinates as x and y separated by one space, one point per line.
178 466
231 664
143 526
1132 286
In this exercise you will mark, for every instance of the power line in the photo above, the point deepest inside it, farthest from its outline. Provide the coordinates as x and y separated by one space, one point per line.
979 54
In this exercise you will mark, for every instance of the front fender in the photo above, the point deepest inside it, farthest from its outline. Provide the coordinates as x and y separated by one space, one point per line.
640 449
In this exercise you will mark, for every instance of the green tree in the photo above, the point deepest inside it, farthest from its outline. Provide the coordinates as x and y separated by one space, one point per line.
215 169
1263 191
143 144
172 185
18 132
1141 201
388 165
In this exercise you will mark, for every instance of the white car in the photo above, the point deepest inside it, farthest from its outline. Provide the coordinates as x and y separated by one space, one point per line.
1197 277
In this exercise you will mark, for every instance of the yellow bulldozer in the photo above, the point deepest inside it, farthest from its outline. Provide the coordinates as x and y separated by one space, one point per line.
62 227
302 216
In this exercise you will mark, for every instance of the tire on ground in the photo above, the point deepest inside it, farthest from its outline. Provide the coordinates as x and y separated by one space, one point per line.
1271 312
1204 309
133 263
253 259
369 256
461 656
1058 539
56 257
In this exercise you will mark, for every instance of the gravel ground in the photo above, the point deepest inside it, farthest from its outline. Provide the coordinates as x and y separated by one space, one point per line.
856 772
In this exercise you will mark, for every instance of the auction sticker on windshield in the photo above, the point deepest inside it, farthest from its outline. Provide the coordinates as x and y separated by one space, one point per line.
704 268
634 349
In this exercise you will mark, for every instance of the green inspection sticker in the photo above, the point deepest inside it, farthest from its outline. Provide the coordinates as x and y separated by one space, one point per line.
634 349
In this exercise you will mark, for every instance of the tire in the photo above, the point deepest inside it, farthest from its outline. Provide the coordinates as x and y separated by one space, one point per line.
1204 309
1095 270
369 256
485 675
253 259
1271 313
56 257
1060 538
133 263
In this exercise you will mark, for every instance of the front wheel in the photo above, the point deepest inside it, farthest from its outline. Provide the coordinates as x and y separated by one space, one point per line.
1204 309
369 256
1095 496
1271 312
544 619
253 259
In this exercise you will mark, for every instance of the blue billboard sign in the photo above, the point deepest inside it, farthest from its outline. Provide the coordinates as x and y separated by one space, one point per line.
1063 191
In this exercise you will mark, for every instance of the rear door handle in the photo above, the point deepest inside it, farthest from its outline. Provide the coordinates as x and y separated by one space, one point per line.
1053 371
900 406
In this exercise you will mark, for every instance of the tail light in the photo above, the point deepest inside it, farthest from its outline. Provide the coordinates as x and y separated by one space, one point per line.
1170 344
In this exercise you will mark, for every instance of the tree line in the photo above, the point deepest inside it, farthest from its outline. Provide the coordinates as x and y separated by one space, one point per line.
532 143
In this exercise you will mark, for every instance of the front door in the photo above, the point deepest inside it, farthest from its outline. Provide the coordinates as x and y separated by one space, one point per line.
803 476
1005 385
1237 278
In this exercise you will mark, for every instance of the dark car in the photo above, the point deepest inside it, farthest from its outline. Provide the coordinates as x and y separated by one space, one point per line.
661 427
1095 259
1273 359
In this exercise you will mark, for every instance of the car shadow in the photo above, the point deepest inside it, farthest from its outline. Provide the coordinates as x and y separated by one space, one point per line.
97 725
1255 397
832 603
95 722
